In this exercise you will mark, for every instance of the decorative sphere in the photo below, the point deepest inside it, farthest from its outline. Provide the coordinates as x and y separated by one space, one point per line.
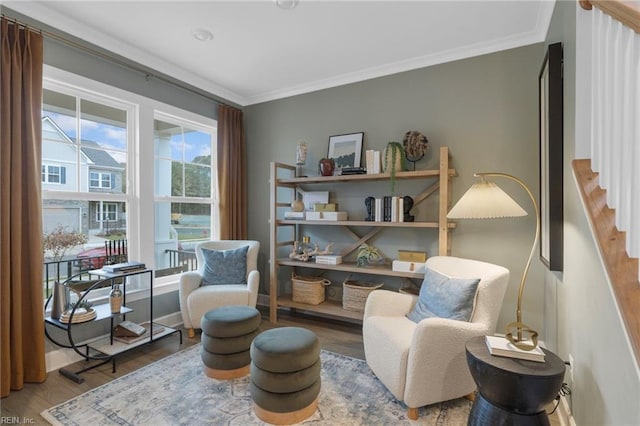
297 206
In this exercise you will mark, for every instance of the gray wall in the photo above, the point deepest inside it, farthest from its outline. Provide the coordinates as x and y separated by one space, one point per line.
485 109
606 385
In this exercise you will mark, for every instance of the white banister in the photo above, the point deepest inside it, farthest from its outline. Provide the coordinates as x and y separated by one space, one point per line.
615 121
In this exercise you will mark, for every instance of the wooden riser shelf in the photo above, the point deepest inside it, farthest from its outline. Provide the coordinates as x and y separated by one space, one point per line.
328 307
418 174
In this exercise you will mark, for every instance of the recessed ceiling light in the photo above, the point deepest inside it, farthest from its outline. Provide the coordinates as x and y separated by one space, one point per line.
201 34
286 4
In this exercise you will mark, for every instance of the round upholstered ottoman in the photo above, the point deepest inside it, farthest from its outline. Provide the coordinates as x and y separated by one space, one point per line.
285 375
227 333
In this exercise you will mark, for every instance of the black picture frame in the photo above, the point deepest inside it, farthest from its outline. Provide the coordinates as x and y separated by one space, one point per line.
551 158
346 150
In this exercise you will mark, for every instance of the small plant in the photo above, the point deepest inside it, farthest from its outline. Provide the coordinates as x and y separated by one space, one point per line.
391 153
58 241
368 255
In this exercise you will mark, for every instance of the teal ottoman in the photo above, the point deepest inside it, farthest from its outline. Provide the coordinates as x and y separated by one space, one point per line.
227 333
285 375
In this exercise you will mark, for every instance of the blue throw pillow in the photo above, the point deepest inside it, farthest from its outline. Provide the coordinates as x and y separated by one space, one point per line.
444 297
225 266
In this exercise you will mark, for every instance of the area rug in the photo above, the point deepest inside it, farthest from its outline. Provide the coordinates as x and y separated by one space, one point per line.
175 391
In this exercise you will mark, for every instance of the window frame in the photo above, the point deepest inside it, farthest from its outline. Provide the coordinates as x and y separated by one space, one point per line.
140 196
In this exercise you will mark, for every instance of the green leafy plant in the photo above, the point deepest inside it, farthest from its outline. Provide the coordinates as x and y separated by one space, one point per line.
391 153
368 254
59 240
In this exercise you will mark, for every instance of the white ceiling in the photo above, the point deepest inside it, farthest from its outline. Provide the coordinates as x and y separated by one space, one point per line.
261 52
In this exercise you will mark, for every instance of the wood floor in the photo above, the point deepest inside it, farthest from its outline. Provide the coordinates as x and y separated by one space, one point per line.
25 405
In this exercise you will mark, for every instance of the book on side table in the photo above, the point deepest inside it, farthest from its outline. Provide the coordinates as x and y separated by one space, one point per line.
500 346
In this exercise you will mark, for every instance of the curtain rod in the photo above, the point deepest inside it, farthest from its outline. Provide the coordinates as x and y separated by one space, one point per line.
124 64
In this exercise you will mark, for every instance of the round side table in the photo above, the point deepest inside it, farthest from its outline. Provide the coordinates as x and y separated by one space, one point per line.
512 391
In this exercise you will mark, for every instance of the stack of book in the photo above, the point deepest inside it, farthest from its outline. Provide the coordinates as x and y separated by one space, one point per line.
372 160
120 268
500 346
329 259
294 215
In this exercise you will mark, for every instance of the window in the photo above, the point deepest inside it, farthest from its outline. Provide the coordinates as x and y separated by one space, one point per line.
107 212
53 174
96 179
183 188
100 180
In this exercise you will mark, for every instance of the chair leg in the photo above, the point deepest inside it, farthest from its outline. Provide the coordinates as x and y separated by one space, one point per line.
191 333
412 413
471 397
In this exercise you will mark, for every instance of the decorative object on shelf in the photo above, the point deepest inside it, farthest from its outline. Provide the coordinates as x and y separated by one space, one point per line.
326 166
61 299
346 150
412 256
369 203
301 157
80 315
415 145
355 293
485 200
310 198
368 255
297 205
393 161
407 206
115 299
308 290
325 207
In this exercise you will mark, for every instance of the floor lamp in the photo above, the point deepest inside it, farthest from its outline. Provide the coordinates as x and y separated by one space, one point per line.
485 200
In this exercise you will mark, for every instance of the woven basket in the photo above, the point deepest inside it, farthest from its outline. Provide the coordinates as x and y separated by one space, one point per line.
309 290
355 293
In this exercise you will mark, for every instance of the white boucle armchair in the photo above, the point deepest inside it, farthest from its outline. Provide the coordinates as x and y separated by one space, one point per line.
425 363
195 301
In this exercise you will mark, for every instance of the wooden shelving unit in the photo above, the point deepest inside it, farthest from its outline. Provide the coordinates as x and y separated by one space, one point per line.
332 308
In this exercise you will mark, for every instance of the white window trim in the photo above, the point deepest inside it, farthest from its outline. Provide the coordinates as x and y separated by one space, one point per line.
101 175
46 173
140 196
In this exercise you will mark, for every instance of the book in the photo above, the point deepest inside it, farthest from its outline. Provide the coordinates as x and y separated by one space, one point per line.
294 215
124 267
329 259
145 335
128 329
500 346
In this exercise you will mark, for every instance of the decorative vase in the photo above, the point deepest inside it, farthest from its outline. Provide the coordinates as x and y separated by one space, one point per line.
115 299
61 299
326 166
297 206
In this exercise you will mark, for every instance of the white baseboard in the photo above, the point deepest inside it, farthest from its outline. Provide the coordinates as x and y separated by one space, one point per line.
60 358
564 413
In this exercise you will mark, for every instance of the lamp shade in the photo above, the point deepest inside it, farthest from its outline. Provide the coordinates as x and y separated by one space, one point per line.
485 200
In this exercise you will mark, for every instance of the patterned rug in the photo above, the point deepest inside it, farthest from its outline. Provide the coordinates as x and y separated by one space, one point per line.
175 391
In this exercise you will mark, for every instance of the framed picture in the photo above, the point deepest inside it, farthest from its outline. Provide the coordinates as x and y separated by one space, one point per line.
346 150
551 158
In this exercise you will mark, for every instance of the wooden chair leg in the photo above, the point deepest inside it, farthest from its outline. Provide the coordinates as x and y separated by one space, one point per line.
191 333
412 413
471 397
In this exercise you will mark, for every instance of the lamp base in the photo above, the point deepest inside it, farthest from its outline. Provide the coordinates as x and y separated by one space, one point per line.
525 338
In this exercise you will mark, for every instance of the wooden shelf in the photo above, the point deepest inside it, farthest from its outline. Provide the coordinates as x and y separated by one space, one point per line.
330 308
436 225
104 345
351 267
283 185
418 174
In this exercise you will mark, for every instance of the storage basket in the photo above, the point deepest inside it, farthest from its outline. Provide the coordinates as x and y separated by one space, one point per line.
355 293
309 290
